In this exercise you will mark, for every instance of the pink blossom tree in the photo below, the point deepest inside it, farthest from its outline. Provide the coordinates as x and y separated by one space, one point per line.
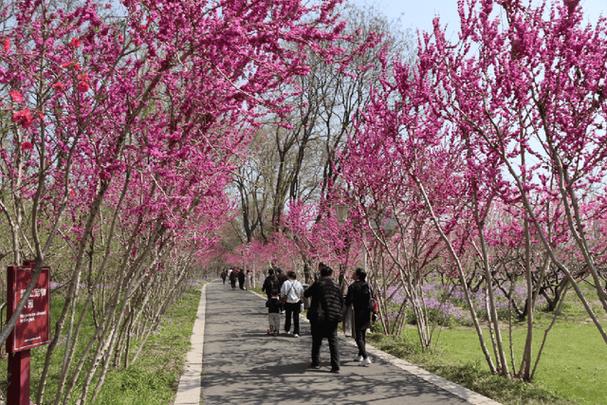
503 124
119 128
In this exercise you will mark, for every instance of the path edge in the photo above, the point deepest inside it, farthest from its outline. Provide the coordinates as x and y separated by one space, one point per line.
190 382
459 391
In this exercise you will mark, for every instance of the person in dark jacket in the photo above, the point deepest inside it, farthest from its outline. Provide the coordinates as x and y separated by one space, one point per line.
233 277
359 296
282 277
241 278
224 275
273 305
271 284
326 311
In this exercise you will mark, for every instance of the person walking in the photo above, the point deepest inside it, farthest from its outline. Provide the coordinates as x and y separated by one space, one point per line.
270 284
241 278
233 277
359 296
291 293
224 275
282 277
326 311
249 280
273 305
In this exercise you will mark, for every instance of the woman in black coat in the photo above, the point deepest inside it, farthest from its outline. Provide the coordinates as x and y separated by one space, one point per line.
233 277
241 278
360 296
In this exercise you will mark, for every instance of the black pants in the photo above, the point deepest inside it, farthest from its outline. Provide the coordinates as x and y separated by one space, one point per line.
361 342
292 312
241 284
321 330
233 283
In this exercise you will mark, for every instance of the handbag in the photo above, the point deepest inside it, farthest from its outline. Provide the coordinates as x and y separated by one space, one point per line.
374 306
374 310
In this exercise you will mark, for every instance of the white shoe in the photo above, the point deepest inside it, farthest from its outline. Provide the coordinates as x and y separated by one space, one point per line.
367 361
295 335
359 359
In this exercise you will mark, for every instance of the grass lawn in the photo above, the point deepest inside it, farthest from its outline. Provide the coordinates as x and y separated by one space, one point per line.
152 379
574 364
573 368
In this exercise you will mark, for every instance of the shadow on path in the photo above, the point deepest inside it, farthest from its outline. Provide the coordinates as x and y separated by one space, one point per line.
244 366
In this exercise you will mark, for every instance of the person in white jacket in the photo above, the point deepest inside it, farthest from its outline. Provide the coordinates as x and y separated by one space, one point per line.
291 292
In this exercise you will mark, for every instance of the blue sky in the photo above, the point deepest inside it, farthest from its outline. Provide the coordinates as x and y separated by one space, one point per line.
418 14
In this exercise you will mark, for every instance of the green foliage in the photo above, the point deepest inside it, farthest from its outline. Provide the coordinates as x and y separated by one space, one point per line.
399 346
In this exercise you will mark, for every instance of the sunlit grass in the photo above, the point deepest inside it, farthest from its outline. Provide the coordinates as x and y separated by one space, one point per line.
573 368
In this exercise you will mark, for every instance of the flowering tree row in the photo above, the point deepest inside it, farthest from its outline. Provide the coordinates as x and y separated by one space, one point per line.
478 167
489 154
119 126
290 167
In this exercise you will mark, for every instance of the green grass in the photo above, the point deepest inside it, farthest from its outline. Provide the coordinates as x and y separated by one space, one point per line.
257 290
151 380
154 377
573 368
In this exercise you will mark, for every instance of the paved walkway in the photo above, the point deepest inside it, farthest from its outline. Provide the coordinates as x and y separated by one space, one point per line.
188 390
244 366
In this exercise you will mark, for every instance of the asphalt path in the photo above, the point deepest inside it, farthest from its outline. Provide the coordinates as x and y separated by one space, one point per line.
241 365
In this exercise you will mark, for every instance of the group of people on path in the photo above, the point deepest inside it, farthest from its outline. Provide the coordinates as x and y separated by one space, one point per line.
235 275
285 295
326 311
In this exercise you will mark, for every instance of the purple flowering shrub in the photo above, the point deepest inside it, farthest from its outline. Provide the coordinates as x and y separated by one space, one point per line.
446 305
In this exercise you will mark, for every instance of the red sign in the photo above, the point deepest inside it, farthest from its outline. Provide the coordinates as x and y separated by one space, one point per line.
32 328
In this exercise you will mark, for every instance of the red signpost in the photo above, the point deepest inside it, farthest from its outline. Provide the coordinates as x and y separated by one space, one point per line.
31 329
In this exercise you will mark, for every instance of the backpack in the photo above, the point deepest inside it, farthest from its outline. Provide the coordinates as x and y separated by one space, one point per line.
274 286
271 286
331 303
